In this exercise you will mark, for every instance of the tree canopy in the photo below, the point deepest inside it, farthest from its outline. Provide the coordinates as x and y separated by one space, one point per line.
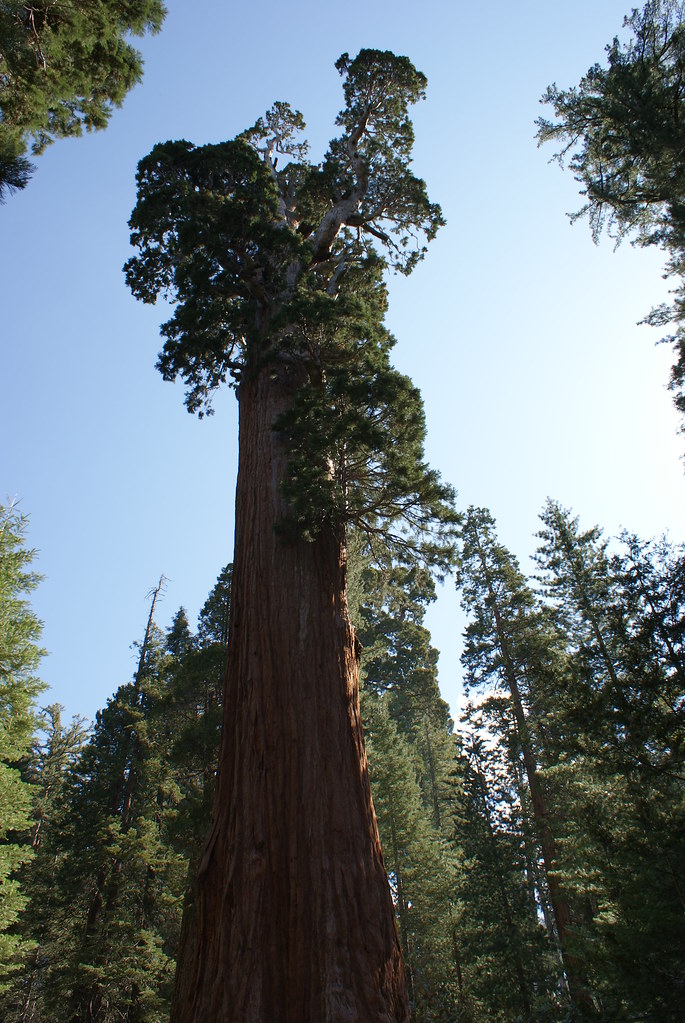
275 266
63 69
622 132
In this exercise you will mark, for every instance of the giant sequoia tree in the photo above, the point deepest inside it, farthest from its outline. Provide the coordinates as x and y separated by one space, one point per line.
276 267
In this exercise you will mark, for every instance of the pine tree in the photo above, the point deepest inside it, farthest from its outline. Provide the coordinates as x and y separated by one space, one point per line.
117 882
191 712
411 755
278 286
507 654
63 69
115 824
388 603
621 764
508 965
54 754
20 654
421 866
652 585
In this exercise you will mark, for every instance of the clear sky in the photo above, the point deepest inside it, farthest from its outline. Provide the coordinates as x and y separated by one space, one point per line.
519 331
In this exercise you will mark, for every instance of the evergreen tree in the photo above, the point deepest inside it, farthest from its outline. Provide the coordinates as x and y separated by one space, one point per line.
115 825
19 688
63 69
114 905
652 584
215 613
411 756
54 755
192 710
279 287
421 866
621 763
622 130
508 965
388 603
508 656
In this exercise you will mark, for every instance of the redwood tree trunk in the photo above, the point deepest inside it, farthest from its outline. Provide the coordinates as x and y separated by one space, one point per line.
291 919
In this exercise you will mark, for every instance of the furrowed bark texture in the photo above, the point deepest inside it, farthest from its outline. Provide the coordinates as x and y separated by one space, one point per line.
291 920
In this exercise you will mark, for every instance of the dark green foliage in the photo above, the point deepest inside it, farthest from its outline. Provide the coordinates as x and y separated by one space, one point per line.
105 885
622 128
19 688
509 967
511 661
54 755
356 432
652 581
620 764
15 170
623 132
279 271
205 220
191 710
411 756
580 715
378 86
421 866
63 69
113 827
214 616
118 883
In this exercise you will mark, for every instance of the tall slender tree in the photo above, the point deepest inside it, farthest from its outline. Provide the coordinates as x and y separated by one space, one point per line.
47 768
411 755
508 964
20 654
622 764
116 879
421 866
278 285
502 652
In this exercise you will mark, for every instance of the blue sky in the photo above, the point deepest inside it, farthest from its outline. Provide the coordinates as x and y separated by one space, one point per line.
521 333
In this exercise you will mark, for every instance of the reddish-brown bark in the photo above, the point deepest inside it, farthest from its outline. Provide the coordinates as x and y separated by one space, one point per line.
291 920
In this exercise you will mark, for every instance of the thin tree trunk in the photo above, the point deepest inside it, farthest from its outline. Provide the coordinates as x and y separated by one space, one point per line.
539 899
574 967
292 918
433 776
512 929
401 904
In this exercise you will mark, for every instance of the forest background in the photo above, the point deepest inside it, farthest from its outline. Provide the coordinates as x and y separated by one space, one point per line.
521 333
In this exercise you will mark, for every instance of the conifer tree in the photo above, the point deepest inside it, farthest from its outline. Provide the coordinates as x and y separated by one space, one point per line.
508 965
388 606
505 654
20 654
117 881
271 262
421 866
621 129
621 763
114 827
54 754
411 757
192 712
63 69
